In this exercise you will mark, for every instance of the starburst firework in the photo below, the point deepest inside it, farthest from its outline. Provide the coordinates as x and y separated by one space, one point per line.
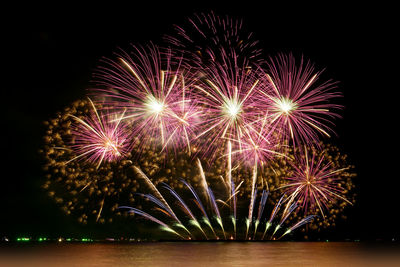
295 100
153 92
226 93
315 182
99 137
206 38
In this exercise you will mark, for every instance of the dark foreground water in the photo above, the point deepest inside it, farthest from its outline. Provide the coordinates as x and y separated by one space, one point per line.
200 254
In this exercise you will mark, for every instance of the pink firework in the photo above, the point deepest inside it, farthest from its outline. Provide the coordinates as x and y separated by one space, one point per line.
259 144
296 102
314 182
100 138
225 92
184 122
152 89
205 38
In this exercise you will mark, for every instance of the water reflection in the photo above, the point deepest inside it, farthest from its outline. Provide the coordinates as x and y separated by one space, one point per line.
199 254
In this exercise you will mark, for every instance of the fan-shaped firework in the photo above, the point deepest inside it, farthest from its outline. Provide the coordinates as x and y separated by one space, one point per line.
206 38
217 227
295 101
152 92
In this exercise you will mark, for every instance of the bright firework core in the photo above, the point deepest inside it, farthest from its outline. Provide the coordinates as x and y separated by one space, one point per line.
111 146
232 108
285 105
154 105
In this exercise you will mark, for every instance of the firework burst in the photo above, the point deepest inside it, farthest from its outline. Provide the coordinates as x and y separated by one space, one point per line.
206 38
185 122
153 93
225 93
99 138
258 145
294 100
83 191
315 182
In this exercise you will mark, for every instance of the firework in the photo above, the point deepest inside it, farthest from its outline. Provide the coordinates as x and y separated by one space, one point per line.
82 188
222 54
256 148
258 145
274 212
295 101
226 95
152 92
302 222
160 199
165 227
274 175
215 211
99 138
91 194
261 207
207 96
207 38
315 182
199 204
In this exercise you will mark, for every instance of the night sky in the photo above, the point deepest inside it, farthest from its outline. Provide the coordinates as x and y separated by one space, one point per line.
47 69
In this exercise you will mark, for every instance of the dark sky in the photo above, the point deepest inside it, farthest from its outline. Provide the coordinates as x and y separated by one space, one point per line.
50 67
